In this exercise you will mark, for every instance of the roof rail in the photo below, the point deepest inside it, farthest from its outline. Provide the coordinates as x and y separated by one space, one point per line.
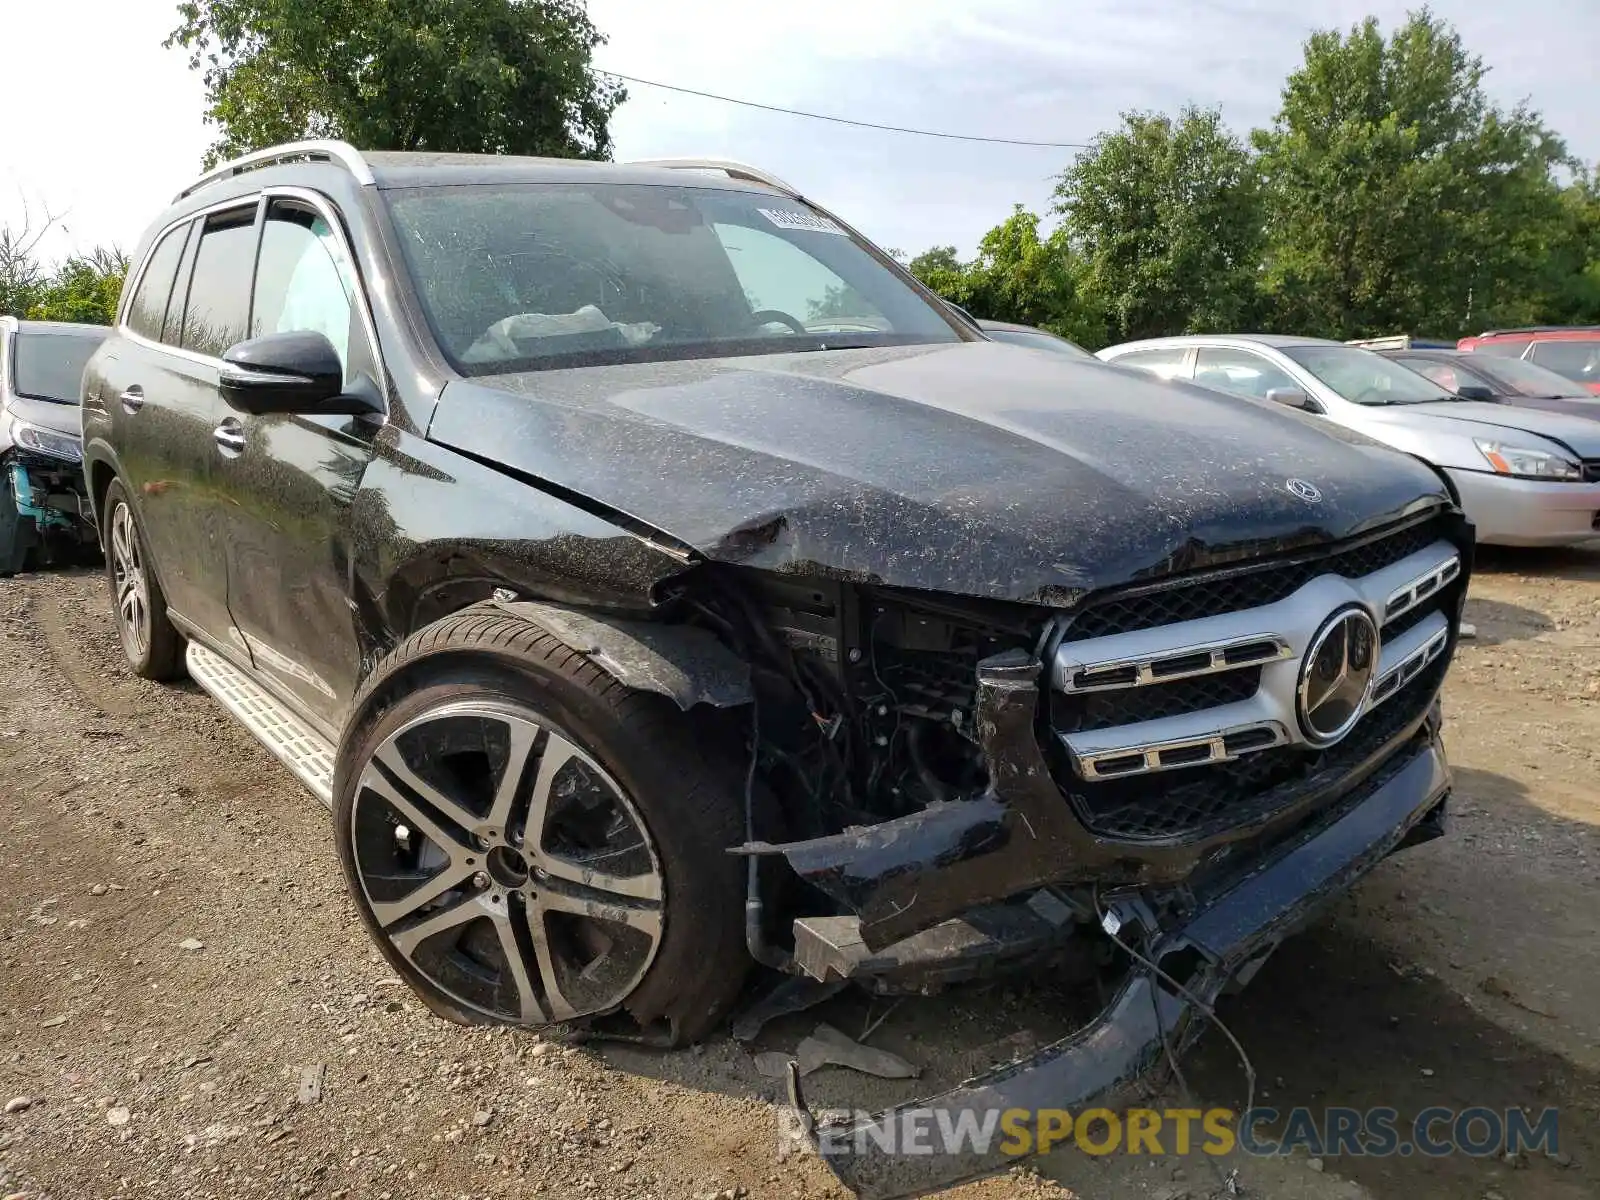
1542 329
339 153
733 170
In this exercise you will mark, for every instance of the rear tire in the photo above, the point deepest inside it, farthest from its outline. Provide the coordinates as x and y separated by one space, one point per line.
150 641
530 842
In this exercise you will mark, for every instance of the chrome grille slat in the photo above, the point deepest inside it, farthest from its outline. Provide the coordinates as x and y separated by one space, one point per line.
1270 639
1230 655
1171 755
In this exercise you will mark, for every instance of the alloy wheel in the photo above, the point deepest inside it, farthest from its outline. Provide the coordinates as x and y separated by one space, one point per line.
506 866
133 593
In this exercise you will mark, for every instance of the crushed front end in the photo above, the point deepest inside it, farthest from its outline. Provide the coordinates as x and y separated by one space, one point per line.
1167 778
44 510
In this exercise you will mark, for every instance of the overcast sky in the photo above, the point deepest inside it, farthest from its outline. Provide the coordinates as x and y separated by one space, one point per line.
101 125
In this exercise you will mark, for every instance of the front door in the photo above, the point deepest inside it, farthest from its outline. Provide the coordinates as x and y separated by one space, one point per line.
289 480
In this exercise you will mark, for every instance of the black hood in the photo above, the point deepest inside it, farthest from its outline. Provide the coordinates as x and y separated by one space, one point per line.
976 468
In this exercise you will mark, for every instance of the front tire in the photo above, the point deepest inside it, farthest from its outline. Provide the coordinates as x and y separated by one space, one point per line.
530 842
150 641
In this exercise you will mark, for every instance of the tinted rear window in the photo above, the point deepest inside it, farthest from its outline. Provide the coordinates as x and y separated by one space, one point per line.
218 312
149 307
49 366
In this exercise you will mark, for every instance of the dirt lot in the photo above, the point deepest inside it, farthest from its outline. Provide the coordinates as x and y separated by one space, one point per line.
136 821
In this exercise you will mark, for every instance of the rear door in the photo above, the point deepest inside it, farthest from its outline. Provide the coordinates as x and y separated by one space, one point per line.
289 480
190 303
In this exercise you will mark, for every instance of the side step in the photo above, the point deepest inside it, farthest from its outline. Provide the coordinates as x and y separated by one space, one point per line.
294 743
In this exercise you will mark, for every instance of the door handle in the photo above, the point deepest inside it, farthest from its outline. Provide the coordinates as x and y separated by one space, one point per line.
132 399
230 437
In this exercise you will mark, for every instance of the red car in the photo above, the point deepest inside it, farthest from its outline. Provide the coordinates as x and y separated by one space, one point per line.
1570 350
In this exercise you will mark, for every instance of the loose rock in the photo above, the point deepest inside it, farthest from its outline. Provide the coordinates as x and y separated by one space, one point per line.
19 1104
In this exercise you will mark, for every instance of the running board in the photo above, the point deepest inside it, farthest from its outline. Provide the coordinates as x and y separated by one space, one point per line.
294 743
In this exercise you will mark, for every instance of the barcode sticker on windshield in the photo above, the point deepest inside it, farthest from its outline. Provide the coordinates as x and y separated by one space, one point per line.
806 222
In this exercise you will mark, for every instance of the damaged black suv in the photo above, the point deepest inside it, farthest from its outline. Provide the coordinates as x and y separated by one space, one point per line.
654 579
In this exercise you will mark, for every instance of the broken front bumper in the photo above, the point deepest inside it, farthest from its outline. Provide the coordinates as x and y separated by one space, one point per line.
1236 920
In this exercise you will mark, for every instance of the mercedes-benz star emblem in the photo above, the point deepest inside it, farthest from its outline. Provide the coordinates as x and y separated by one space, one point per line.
1337 673
1306 491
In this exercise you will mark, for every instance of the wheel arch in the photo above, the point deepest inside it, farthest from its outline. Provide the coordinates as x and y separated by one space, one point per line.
683 663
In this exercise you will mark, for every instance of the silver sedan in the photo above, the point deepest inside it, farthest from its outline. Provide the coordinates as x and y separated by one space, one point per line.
1524 477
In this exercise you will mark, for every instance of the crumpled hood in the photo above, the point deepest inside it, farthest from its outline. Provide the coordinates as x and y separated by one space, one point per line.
1578 434
975 468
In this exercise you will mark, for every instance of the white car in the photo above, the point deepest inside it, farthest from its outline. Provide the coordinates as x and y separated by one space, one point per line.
1524 477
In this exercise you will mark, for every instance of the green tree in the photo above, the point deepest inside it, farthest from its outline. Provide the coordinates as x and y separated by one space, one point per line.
487 76
1400 198
21 272
1165 219
1572 289
84 288
1016 276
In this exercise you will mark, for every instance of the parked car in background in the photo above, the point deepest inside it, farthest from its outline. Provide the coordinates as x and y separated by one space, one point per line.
1400 341
1034 339
1504 380
637 631
1525 478
44 509
1569 350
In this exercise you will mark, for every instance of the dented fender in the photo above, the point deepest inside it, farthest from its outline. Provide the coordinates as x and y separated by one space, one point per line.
685 664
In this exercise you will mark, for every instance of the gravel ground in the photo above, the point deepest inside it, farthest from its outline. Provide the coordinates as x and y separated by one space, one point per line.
179 963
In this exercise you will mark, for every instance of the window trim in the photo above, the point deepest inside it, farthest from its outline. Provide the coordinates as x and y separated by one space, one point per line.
318 205
125 304
188 291
261 199
199 214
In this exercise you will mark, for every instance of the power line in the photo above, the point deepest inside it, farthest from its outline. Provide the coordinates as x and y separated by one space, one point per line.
795 112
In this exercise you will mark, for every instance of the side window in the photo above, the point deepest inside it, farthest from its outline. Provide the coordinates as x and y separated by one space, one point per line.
217 313
780 277
1504 347
1578 360
1168 363
1239 372
148 309
304 283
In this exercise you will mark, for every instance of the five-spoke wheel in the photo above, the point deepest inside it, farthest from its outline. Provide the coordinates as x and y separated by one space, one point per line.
532 842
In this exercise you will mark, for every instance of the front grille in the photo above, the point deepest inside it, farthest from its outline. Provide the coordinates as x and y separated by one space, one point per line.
1106 710
1196 804
1260 583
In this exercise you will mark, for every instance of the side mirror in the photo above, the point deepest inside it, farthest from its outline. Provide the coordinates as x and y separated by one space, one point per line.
1293 398
1475 391
296 372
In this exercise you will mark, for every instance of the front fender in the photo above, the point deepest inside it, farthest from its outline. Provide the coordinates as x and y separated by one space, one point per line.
683 663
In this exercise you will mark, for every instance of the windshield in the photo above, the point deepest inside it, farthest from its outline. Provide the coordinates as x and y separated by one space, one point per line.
1529 379
49 366
1363 377
1039 341
524 276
